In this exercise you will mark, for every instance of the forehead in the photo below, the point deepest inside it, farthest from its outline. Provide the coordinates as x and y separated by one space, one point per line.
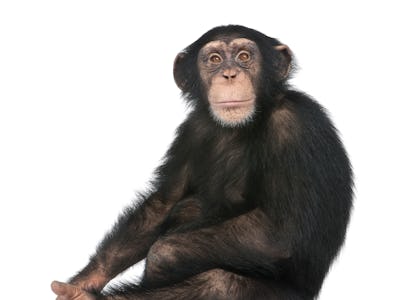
229 44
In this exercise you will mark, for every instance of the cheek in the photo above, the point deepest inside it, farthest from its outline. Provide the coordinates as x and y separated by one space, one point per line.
205 82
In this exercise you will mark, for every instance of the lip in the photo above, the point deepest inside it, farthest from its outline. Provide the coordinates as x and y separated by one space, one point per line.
232 103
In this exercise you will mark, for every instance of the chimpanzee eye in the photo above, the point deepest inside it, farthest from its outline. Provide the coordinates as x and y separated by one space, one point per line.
215 58
243 56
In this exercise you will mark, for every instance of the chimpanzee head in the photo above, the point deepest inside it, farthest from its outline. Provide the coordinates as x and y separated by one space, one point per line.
234 71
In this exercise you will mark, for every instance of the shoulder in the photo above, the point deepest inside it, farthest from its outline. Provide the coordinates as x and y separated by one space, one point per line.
297 118
302 105
300 109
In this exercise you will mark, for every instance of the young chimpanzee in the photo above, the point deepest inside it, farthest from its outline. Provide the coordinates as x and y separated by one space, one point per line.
253 197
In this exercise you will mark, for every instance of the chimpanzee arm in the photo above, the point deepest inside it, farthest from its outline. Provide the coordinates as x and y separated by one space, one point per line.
126 244
242 243
136 230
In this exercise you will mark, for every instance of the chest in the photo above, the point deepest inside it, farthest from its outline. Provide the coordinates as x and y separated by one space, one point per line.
224 170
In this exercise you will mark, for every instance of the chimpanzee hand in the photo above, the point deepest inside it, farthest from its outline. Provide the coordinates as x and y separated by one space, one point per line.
66 291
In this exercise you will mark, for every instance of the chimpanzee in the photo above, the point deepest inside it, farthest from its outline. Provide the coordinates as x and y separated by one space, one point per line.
253 197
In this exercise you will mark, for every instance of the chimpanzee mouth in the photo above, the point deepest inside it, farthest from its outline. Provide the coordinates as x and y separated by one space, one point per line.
233 103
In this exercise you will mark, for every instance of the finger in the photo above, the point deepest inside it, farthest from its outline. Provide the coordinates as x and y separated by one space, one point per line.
64 289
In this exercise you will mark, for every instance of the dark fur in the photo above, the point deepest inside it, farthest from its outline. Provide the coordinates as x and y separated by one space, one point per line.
256 212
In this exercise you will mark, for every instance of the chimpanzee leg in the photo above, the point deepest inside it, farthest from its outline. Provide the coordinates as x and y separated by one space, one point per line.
241 243
216 284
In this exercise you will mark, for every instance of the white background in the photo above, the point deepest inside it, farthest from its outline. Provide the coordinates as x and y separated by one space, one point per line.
88 106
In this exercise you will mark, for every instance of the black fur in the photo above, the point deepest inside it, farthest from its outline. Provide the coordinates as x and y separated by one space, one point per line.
256 212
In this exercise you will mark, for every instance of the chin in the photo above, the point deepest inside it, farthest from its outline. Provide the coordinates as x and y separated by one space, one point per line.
233 117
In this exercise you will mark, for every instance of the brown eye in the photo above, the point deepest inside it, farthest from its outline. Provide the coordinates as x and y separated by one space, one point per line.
215 58
243 56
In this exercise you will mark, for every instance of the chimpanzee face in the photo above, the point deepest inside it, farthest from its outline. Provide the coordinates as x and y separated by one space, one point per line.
229 70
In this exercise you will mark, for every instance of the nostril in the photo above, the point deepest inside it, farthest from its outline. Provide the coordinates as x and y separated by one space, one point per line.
229 74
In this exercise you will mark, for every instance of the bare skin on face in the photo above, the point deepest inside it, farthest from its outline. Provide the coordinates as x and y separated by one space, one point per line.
229 70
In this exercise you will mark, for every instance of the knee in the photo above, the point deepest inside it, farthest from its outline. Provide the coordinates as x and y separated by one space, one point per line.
220 282
162 254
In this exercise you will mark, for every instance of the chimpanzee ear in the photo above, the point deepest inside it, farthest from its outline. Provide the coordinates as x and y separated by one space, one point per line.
179 71
285 63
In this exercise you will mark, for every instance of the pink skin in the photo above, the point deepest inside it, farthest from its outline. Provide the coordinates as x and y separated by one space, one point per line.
232 103
65 291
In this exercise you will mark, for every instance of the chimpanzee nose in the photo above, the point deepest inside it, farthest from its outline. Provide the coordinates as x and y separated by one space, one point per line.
229 73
